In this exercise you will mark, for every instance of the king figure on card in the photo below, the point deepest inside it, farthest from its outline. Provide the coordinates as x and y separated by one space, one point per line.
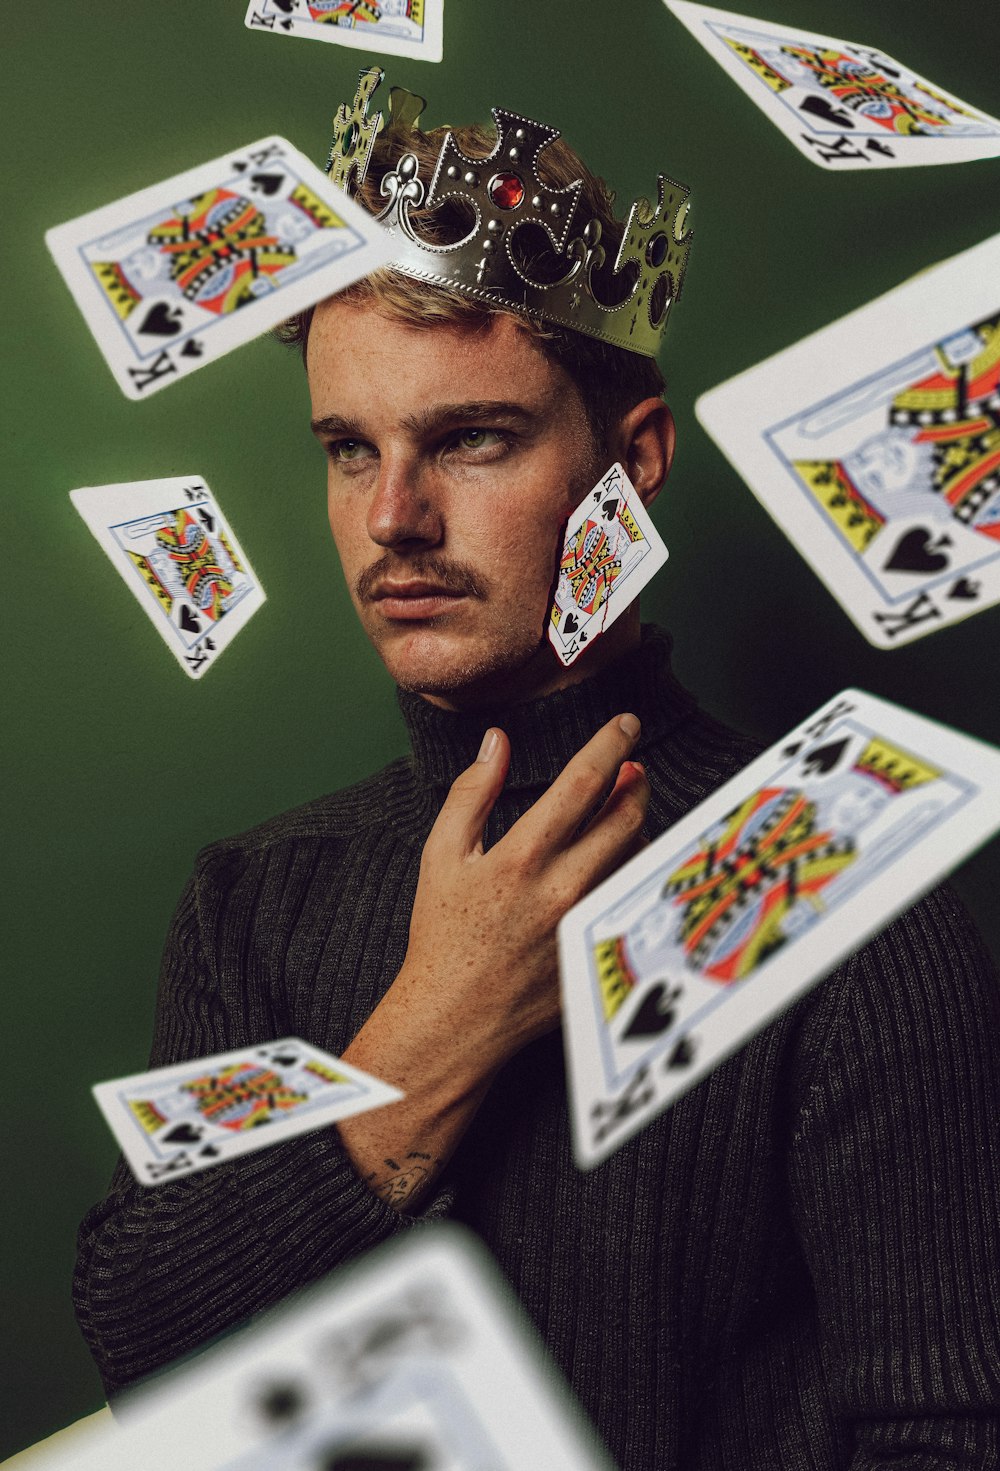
794 1265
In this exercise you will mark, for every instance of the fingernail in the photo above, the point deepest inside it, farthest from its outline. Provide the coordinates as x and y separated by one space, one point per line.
630 725
490 740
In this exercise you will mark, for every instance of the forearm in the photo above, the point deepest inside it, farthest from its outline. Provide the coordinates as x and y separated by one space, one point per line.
444 1073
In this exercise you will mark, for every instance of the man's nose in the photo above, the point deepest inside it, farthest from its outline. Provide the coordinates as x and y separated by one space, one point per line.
403 507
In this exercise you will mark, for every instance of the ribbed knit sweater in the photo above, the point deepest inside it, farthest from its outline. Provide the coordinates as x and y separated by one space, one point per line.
796 1268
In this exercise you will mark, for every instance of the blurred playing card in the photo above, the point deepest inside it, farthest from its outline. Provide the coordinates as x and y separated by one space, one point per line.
685 953
175 1120
392 27
610 551
843 105
175 550
411 1360
875 445
174 276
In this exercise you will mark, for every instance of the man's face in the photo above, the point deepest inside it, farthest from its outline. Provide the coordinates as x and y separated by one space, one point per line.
454 458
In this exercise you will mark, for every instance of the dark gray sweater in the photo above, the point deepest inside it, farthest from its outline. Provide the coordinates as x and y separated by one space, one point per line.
796 1268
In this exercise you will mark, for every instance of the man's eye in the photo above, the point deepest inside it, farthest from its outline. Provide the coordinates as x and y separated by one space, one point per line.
344 450
477 438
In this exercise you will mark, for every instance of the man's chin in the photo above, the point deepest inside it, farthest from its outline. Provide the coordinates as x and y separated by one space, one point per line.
462 671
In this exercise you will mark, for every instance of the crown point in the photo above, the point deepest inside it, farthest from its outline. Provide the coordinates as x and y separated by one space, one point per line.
506 191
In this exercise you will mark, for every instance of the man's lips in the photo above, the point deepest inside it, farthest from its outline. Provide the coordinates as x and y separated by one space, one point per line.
416 599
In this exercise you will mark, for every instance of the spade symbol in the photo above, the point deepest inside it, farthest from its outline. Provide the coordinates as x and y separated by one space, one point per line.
183 1134
818 763
285 25
965 589
209 1152
267 183
650 1019
571 624
916 551
683 1053
793 749
609 508
876 147
209 644
374 1457
239 166
188 621
281 1402
162 320
583 638
192 349
283 1059
285 6
206 520
822 107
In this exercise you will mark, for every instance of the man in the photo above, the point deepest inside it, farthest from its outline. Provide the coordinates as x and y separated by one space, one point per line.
792 1267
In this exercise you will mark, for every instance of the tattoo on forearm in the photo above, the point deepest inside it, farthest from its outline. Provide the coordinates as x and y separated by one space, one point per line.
407 1179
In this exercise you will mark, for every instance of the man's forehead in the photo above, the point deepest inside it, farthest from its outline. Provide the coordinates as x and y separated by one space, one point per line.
367 364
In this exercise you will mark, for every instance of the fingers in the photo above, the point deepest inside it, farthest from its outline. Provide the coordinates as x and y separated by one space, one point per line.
557 815
615 834
460 823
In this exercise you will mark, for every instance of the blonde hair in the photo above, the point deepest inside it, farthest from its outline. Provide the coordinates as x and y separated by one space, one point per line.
609 379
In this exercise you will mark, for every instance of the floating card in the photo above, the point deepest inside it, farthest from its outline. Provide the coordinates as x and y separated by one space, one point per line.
610 551
175 1120
392 27
174 276
412 1360
177 553
875 445
844 106
684 954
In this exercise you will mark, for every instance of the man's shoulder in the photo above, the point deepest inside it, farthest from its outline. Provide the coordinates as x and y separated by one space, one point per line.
384 799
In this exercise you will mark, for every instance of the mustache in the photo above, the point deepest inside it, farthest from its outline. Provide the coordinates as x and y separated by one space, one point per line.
454 577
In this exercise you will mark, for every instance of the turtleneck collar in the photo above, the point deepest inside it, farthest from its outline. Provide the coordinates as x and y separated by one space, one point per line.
545 733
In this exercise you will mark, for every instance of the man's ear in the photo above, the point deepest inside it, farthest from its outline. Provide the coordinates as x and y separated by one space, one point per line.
645 441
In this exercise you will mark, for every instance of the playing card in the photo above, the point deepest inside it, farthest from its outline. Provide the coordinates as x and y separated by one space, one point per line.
171 543
393 27
415 1359
174 276
843 105
610 551
875 445
685 953
176 1120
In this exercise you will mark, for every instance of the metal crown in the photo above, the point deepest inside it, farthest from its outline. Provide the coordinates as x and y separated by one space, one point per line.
627 306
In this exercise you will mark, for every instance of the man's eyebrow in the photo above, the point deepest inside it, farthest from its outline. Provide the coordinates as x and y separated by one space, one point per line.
336 424
441 416
472 411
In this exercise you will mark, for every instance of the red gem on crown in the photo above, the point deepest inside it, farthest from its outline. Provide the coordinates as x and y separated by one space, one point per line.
506 191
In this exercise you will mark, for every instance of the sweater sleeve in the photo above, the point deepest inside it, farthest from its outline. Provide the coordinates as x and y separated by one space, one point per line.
895 1181
161 1271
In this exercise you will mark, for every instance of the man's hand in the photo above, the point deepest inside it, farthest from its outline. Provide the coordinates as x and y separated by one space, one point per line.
479 980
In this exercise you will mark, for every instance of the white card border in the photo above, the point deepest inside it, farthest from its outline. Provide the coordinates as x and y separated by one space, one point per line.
430 49
737 413
944 150
816 953
122 1124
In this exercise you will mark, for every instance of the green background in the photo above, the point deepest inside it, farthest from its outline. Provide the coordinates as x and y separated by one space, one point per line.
121 768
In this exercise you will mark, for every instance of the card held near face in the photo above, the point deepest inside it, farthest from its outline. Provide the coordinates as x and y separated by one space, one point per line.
411 28
685 953
875 446
413 1359
843 105
173 1121
175 550
176 275
610 551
